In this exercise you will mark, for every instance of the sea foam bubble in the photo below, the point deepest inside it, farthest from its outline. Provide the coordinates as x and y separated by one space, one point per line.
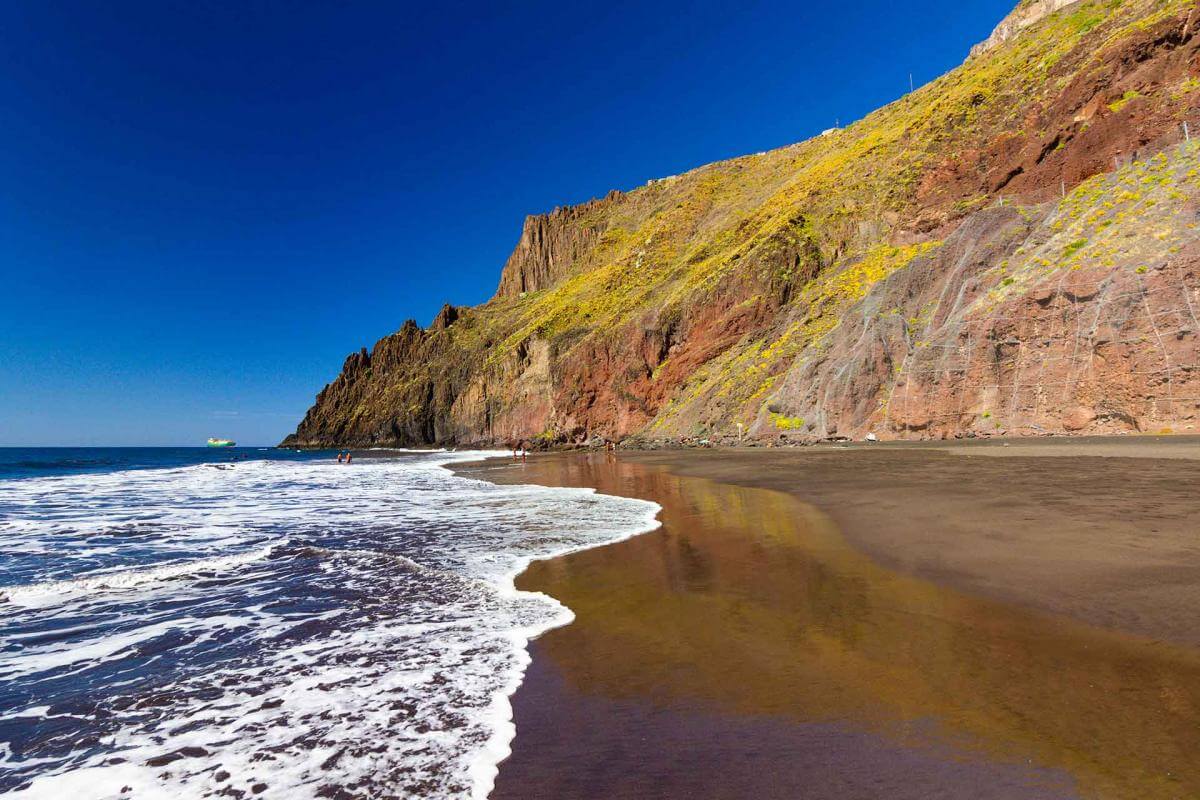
293 629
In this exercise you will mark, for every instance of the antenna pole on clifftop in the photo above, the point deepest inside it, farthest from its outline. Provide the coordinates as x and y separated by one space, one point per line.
911 89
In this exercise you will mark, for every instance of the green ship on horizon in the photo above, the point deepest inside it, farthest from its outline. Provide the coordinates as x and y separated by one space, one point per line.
221 443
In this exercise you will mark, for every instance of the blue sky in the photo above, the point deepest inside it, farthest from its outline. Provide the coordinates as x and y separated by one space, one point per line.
205 206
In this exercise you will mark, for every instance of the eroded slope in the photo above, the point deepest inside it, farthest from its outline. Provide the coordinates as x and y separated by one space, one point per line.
1011 247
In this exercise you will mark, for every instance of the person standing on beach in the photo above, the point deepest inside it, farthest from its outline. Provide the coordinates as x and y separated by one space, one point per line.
341 455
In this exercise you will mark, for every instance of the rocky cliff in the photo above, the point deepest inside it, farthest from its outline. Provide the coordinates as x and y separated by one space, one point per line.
1025 14
1013 248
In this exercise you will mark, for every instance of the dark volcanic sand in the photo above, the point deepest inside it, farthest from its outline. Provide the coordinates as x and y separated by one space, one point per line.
637 750
1106 530
752 649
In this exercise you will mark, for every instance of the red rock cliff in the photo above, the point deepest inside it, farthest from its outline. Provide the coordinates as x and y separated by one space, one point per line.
1014 248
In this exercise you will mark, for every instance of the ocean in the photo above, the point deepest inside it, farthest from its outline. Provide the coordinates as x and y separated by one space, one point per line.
189 622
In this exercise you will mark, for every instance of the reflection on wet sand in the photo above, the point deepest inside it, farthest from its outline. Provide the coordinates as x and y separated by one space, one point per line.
748 604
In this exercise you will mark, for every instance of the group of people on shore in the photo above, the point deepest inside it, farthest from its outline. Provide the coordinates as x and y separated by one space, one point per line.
520 452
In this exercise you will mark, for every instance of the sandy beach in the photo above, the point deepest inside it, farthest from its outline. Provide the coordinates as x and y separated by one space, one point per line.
1106 530
962 621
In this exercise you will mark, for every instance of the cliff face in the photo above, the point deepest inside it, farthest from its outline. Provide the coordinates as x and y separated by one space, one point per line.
1012 248
550 246
1027 12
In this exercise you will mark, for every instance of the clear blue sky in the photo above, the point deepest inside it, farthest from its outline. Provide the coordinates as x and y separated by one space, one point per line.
204 206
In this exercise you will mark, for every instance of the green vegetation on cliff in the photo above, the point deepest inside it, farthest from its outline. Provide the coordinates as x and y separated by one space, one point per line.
685 303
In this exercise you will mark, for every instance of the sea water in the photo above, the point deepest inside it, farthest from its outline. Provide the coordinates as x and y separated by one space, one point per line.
196 623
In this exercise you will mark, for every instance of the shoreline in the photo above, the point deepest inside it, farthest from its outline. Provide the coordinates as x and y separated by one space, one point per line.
498 747
556 678
1125 480
1099 530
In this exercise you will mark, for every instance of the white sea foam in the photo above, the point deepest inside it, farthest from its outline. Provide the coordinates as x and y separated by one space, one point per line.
365 633
36 595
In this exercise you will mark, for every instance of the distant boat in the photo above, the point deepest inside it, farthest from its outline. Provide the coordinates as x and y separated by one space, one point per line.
221 443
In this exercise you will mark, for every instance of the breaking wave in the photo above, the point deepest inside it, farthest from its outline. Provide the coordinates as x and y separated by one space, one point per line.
299 629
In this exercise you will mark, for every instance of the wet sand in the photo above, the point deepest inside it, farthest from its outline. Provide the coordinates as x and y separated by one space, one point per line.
759 646
1106 530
